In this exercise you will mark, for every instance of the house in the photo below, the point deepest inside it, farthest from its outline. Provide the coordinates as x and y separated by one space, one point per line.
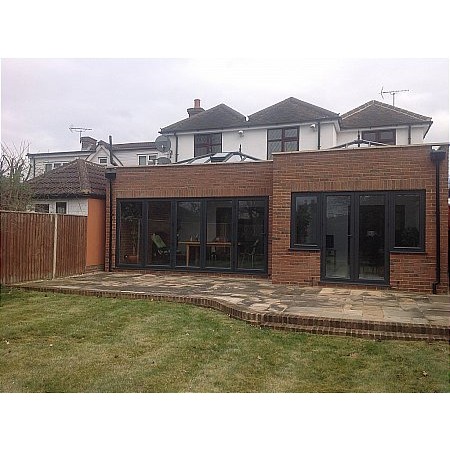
77 188
372 217
128 154
291 125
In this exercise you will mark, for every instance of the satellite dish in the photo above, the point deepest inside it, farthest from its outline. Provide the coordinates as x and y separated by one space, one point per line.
163 161
163 143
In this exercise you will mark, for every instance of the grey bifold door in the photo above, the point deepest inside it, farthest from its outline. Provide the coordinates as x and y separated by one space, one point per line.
355 237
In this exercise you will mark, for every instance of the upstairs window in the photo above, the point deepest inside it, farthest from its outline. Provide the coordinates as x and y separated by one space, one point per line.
381 136
282 140
103 160
207 143
50 166
146 160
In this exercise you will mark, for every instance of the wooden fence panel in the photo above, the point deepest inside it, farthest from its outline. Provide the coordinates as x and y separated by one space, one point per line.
72 238
27 246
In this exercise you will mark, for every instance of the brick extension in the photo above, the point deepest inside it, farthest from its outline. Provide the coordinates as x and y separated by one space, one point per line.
360 169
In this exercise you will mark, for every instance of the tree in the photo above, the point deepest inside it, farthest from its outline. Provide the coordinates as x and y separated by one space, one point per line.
15 170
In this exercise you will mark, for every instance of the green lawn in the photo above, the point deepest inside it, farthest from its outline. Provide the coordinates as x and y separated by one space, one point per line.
67 343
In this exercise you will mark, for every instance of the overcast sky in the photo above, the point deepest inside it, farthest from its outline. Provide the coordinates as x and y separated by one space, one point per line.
131 99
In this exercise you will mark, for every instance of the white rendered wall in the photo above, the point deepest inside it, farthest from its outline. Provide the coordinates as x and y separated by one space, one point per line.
75 206
46 158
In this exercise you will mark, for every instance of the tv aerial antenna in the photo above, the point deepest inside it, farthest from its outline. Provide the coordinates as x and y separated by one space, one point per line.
80 130
392 93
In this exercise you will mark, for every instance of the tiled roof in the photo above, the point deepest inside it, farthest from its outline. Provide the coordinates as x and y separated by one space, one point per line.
378 114
290 110
78 178
218 117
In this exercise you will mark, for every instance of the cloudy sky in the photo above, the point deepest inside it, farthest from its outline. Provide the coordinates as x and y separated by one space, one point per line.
131 99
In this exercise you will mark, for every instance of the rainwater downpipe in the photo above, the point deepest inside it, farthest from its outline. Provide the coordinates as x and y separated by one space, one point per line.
110 175
437 156
318 135
176 147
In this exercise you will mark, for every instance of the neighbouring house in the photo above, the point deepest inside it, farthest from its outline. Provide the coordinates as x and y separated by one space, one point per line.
366 216
291 125
129 154
76 188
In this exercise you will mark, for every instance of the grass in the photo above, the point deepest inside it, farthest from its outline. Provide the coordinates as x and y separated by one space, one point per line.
68 343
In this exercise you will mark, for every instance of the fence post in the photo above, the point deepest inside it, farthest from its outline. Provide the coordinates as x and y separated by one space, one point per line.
55 243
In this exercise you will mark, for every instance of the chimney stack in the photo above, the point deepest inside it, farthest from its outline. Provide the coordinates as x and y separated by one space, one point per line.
87 143
196 109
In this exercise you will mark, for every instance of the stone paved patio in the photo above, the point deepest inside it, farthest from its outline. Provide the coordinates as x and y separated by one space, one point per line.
261 296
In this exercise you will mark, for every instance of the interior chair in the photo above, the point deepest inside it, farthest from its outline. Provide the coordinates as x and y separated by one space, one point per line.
249 253
161 247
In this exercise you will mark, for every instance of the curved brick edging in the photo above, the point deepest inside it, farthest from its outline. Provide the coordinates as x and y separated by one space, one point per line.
280 321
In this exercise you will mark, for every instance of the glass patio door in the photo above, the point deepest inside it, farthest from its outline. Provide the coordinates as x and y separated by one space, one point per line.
372 237
354 247
338 236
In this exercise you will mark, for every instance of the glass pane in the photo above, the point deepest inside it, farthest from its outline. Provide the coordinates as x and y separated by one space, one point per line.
142 160
273 147
130 233
188 234
337 240
251 216
371 237
387 137
306 224
407 223
159 220
218 234
274 134
291 132
216 149
200 151
61 207
369 136
216 138
201 139
291 146
42 207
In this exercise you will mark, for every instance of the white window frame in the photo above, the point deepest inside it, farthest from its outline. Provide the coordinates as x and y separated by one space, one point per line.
54 165
105 158
149 158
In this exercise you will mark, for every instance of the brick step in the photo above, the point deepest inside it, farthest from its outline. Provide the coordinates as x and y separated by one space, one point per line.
283 321
356 324
366 331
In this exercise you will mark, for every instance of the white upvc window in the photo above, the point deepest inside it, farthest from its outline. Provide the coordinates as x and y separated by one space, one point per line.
50 166
103 160
147 160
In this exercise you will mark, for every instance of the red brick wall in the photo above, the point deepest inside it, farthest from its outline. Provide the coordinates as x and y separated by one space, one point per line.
364 169
203 180
384 169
